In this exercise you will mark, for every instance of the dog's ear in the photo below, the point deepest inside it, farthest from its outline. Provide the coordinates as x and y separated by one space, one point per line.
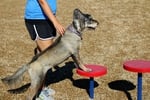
77 14
76 24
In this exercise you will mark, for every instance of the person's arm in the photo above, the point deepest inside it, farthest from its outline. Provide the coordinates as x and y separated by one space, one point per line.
60 29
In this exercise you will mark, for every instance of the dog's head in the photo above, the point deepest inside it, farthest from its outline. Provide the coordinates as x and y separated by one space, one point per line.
82 21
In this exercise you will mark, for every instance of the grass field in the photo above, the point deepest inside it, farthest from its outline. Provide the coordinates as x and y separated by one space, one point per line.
123 34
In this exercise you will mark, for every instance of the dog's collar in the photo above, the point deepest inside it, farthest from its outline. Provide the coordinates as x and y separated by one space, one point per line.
72 29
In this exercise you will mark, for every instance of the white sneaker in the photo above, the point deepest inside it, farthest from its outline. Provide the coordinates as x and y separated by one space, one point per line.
48 91
46 94
43 96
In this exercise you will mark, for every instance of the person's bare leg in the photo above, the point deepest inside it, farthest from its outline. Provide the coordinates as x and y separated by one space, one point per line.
43 44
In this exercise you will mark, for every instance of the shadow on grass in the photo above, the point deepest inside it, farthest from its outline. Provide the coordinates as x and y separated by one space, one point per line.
61 73
21 89
122 85
84 84
66 72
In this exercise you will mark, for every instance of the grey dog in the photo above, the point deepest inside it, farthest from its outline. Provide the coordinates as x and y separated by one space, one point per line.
64 47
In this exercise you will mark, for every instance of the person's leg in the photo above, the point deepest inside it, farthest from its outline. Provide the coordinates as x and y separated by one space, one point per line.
43 44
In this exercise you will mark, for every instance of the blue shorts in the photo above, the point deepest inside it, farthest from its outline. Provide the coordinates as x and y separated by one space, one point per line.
40 29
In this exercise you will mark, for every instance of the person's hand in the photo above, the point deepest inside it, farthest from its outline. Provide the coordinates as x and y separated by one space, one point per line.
59 28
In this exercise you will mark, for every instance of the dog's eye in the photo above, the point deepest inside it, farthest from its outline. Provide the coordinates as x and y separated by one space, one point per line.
88 16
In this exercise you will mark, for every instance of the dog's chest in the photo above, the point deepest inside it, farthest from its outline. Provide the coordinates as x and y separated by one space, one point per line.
71 45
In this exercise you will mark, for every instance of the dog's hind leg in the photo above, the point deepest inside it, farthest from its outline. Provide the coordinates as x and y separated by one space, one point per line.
36 76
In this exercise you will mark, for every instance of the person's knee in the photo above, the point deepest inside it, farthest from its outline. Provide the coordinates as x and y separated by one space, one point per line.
43 44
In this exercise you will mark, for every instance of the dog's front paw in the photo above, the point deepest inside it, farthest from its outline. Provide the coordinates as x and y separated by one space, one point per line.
84 68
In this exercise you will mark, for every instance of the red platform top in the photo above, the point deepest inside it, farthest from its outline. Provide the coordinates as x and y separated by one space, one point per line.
97 70
139 66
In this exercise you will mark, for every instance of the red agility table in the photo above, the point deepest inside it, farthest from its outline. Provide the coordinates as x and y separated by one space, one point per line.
139 66
97 70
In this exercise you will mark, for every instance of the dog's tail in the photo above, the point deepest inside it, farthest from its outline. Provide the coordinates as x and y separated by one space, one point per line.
16 77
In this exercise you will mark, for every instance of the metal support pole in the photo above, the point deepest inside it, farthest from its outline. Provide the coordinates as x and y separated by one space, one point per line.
91 88
139 88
